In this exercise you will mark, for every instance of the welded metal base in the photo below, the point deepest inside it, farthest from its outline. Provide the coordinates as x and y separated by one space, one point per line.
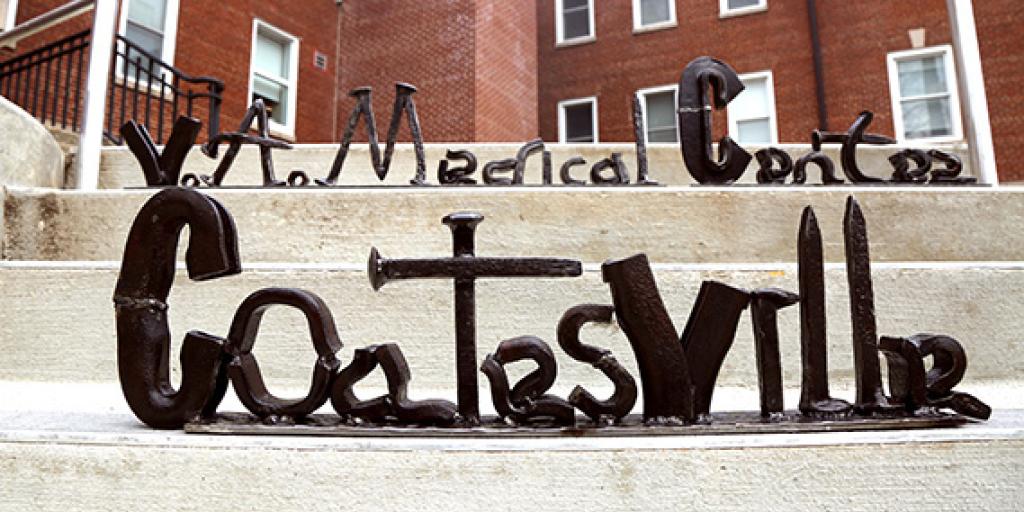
724 423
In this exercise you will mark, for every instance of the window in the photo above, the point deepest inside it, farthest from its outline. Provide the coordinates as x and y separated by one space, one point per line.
577 120
752 113
152 26
574 21
8 13
729 8
274 75
658 106
925 102
653 14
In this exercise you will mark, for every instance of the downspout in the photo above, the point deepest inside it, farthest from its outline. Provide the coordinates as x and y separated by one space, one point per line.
337 73
819 67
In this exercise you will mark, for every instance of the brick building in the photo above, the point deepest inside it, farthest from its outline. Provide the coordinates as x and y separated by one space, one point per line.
566 70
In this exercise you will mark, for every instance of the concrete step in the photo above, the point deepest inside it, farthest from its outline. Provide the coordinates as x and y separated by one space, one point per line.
83 447
120 169
670 224
57 321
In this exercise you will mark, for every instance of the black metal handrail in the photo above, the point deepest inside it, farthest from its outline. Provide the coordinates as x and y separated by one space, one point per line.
154 93
48 82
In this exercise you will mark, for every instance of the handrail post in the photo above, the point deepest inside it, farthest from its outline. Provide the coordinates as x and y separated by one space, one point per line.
972 90
100 54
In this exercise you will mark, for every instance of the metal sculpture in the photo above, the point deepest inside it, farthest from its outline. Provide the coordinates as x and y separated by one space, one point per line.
140 303
162 169
766 160
404 104
620 175
566 172
695 121
678 373
457 175
258 113
857 134
465 268
640 136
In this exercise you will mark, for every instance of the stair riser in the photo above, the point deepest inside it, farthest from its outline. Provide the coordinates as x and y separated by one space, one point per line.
58 325
672 225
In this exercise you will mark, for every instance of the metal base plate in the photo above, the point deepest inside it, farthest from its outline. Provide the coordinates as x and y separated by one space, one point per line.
724 423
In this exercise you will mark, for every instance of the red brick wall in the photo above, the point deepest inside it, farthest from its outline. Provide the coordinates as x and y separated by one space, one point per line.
429 44
856 37
506 71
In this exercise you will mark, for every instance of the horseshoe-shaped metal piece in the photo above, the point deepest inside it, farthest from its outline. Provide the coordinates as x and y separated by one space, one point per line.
140 299
695 121
244 370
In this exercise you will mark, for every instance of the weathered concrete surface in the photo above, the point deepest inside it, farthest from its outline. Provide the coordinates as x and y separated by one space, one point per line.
57 324
29 155
672 224
120 169
129 468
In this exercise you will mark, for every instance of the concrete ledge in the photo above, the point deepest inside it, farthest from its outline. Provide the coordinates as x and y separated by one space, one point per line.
57 321
671 224
29 155
120 169
124 466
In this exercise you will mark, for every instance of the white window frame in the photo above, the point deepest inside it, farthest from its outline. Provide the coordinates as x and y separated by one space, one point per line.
286 130
12 15
643 93
773 115
571 103
724 11
638 19
893 59
560 39
170 31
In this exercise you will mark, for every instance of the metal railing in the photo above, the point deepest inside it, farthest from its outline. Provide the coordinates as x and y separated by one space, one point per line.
154 93
48 82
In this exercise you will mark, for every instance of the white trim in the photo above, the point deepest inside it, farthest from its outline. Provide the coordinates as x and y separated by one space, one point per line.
643 93
725 12
638 25
573 102
90 143
286 130
12 15
560 39
773 122
893 59
170 36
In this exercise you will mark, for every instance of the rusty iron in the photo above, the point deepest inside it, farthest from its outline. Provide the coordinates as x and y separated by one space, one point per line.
235 140
640 136
819 159
952 167
244 370
708 336
499 166
694 112
765 304
162 169
526 402
404 105
915 387
870 396
857 134
664 371
620 175
623 398
766 160
457 175
395 406
566 172
902 173
815 400
465 268
140 304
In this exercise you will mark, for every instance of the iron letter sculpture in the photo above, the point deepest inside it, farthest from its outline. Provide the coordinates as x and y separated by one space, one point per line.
677 372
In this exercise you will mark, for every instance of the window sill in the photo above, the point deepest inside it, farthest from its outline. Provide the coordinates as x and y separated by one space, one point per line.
575 42
951 139
281 132
735 13
654 27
